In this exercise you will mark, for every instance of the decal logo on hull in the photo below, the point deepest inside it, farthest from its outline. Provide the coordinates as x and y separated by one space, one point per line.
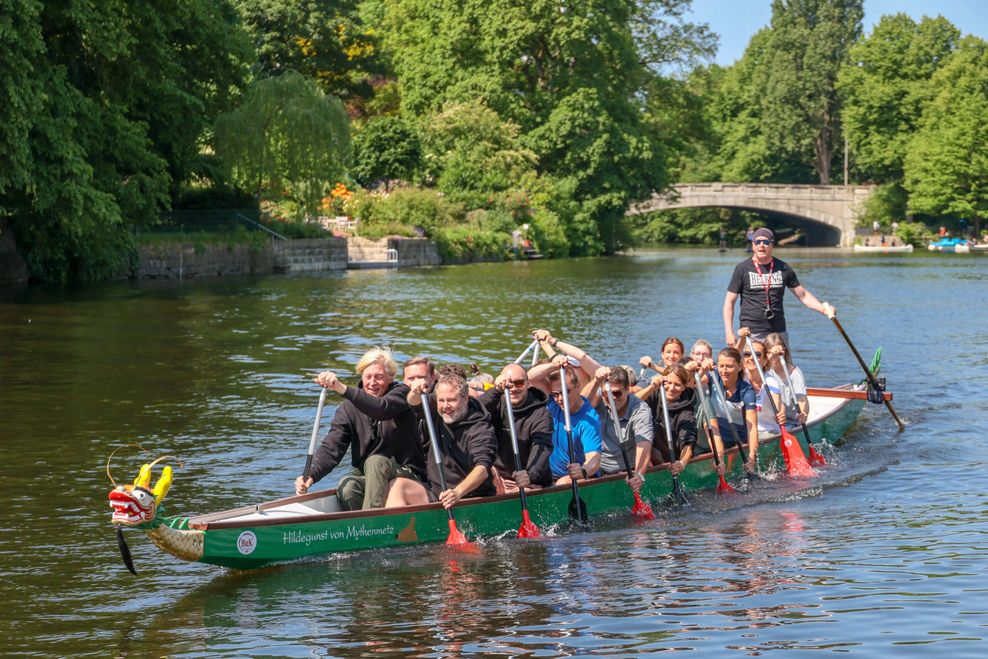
247 543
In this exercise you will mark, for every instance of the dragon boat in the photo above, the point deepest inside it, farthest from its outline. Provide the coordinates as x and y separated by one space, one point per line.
314 523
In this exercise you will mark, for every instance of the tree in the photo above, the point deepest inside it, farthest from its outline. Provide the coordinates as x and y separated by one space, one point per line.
121 97
885 85
946 161
385 148
572 76
286 135
325 40
469 148
797 80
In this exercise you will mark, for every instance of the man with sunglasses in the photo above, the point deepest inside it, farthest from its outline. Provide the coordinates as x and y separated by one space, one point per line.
533 428
635 418
761 282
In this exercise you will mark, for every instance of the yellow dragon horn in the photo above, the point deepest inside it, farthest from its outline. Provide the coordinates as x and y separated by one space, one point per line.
143 477
161 487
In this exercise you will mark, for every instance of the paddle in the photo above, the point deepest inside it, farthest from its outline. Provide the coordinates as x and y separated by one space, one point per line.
530 347
792 452
527 528
677 489
455 538
723 487
639 509
717 390
848 394
815 457
871 376
315 435
577 508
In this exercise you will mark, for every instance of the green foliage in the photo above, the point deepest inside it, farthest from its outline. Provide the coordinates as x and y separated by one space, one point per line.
946 163
385 148
324 40
429 210
885 85
286 138
686 225
109 121
461 244
549 234
886 205
914 233
796 82
469 148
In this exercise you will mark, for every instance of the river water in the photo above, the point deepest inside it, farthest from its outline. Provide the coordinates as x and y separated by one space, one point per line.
884 555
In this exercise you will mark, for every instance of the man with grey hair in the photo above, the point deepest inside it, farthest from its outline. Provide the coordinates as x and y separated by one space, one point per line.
761 282
377 425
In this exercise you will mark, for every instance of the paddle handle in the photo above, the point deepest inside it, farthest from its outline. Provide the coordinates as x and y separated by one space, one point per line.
315 435
569 441
514 445
531 346
871 376
437 455
677 489
616 422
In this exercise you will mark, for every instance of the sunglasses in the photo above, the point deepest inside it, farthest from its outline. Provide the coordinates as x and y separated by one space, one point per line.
763 241
556 394
517 384
617 393
747 353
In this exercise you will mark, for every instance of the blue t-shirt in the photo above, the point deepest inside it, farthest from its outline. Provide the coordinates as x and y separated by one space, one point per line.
742 400
586 433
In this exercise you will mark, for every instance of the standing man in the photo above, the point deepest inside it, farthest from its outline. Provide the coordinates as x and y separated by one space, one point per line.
377 425
761 282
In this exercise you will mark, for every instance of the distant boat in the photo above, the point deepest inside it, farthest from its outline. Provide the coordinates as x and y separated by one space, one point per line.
883 249
955 245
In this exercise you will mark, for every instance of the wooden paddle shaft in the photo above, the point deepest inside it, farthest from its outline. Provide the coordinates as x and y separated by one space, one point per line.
849 394
868 373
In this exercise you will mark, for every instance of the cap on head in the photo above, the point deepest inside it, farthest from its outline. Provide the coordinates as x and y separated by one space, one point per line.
764 232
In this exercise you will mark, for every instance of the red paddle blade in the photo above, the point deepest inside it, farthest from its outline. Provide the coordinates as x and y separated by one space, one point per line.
723 487
792 453
458 540
642 510
817 459
527 528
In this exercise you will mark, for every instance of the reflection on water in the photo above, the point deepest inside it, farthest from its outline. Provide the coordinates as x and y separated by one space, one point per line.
883 554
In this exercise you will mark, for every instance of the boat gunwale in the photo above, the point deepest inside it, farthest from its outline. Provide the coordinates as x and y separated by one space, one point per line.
226 519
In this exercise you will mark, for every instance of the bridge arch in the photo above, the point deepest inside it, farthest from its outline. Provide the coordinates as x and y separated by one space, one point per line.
827 212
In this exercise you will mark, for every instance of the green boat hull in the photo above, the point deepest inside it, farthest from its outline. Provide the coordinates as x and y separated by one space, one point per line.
245 539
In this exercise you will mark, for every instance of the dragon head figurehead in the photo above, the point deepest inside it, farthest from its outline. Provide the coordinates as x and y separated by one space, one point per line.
138 503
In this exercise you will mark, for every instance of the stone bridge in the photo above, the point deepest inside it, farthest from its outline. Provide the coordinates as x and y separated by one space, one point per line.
826 213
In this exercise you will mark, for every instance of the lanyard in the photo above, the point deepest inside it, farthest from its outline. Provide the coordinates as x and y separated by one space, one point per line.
767 280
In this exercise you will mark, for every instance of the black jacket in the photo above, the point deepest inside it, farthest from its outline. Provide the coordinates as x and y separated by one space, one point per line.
370 425
681 416
533 426
464 445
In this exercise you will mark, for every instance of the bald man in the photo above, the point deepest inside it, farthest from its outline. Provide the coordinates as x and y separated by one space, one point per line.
533 426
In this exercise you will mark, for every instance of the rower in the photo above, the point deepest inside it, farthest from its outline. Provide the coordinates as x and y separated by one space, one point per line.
742 404
585 423
680 400
533 427
794 407
466 439
374 422
635 420
768 422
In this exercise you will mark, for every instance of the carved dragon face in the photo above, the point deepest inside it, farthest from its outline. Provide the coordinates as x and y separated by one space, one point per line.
132 505
138 503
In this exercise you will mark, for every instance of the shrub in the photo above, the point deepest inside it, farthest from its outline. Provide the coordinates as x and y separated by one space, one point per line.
465 243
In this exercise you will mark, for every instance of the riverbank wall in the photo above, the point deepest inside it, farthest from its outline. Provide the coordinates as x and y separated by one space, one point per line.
187 260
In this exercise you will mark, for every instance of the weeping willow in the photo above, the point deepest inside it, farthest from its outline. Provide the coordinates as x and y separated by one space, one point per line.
286 137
